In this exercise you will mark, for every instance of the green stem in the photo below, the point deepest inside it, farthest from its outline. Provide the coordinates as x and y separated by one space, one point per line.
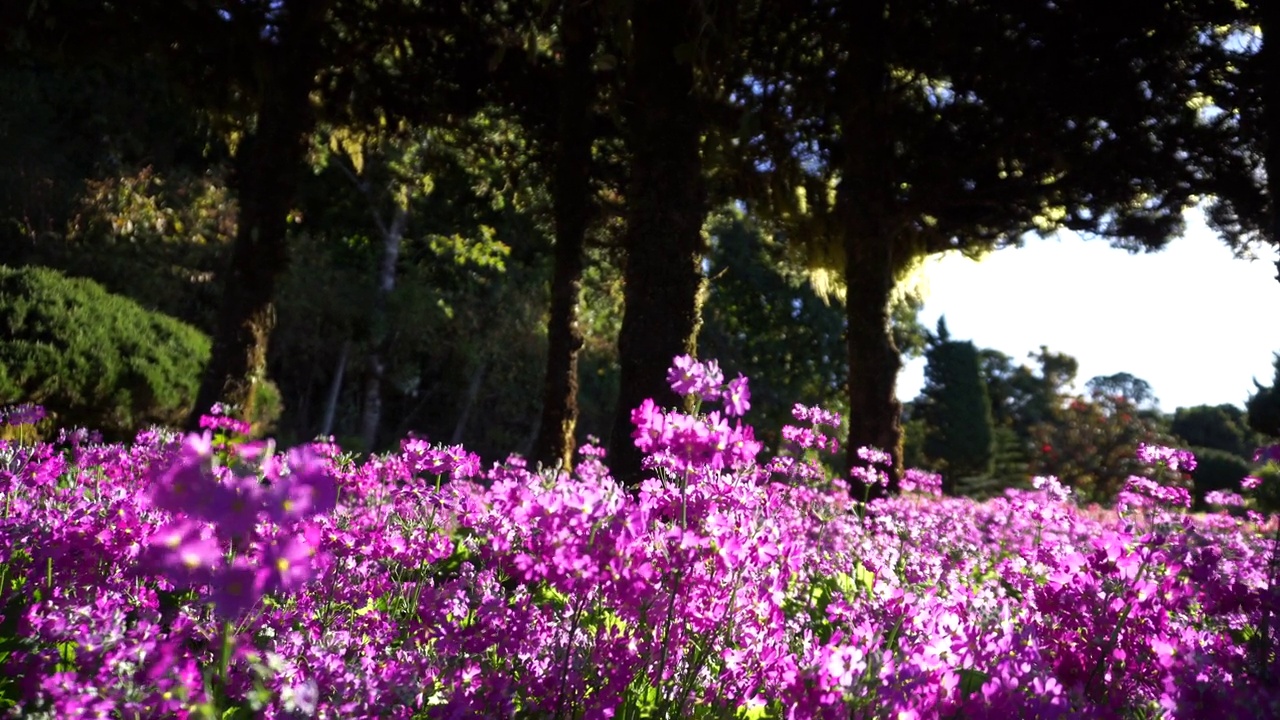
224 662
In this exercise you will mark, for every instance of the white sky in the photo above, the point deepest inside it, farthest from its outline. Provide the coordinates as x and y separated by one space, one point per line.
1191 320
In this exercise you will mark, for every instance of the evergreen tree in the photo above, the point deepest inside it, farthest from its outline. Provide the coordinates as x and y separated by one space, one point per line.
957 412
1264 406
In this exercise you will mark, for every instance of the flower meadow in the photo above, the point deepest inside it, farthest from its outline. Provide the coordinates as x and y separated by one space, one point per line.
212 577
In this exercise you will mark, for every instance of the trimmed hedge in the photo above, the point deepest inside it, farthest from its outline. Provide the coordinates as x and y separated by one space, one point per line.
1217 470
93 358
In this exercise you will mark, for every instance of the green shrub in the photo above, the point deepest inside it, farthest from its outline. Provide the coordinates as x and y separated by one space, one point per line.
93 358
1217 470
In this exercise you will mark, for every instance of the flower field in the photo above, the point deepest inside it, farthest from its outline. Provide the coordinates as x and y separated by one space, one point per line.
207 576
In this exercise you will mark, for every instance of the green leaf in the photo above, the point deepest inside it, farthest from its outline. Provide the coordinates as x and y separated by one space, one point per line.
971 681
864 577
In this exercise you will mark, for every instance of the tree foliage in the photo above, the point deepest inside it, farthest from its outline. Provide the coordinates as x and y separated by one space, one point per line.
1093 445
878 134
1220 427
187 154
1263 406
763 319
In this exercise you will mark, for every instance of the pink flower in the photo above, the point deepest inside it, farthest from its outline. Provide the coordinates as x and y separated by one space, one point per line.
652 431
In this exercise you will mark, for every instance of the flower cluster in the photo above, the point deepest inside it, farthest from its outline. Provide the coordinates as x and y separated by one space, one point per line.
681 443
76 437
20 415
801 439
816 415
1140 492
1173 459
424 458
705 381
1052 487
875 471
220 419
915 480
219 508
1223 498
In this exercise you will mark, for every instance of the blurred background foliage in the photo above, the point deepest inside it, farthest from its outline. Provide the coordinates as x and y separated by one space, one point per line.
444 141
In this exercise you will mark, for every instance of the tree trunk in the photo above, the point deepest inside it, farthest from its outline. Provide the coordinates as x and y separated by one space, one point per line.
554 444
864 202
473 394
335 391
381 334
666 206
1269 21
268 168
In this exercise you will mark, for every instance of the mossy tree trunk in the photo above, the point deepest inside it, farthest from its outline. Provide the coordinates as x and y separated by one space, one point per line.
268 166
666 206
554 444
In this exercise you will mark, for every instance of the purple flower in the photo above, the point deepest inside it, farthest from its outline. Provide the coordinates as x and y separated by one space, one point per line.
184 485
1172 458
652 431
235 590
736 397
309 488
184 552
921 481
234 504
815 415
1267 454
870 475
690 377
19 415
875 456
1052 487
286 566
1223 498
712 380
685 375
1250 482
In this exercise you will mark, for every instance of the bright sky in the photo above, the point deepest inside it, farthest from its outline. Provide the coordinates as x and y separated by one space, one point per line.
1191 320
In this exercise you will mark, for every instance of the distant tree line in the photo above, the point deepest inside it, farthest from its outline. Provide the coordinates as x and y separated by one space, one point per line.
987 424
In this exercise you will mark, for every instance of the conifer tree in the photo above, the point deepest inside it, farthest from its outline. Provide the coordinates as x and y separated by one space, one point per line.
959 436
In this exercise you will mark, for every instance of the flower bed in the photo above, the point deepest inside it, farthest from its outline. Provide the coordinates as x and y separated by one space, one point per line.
210 577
